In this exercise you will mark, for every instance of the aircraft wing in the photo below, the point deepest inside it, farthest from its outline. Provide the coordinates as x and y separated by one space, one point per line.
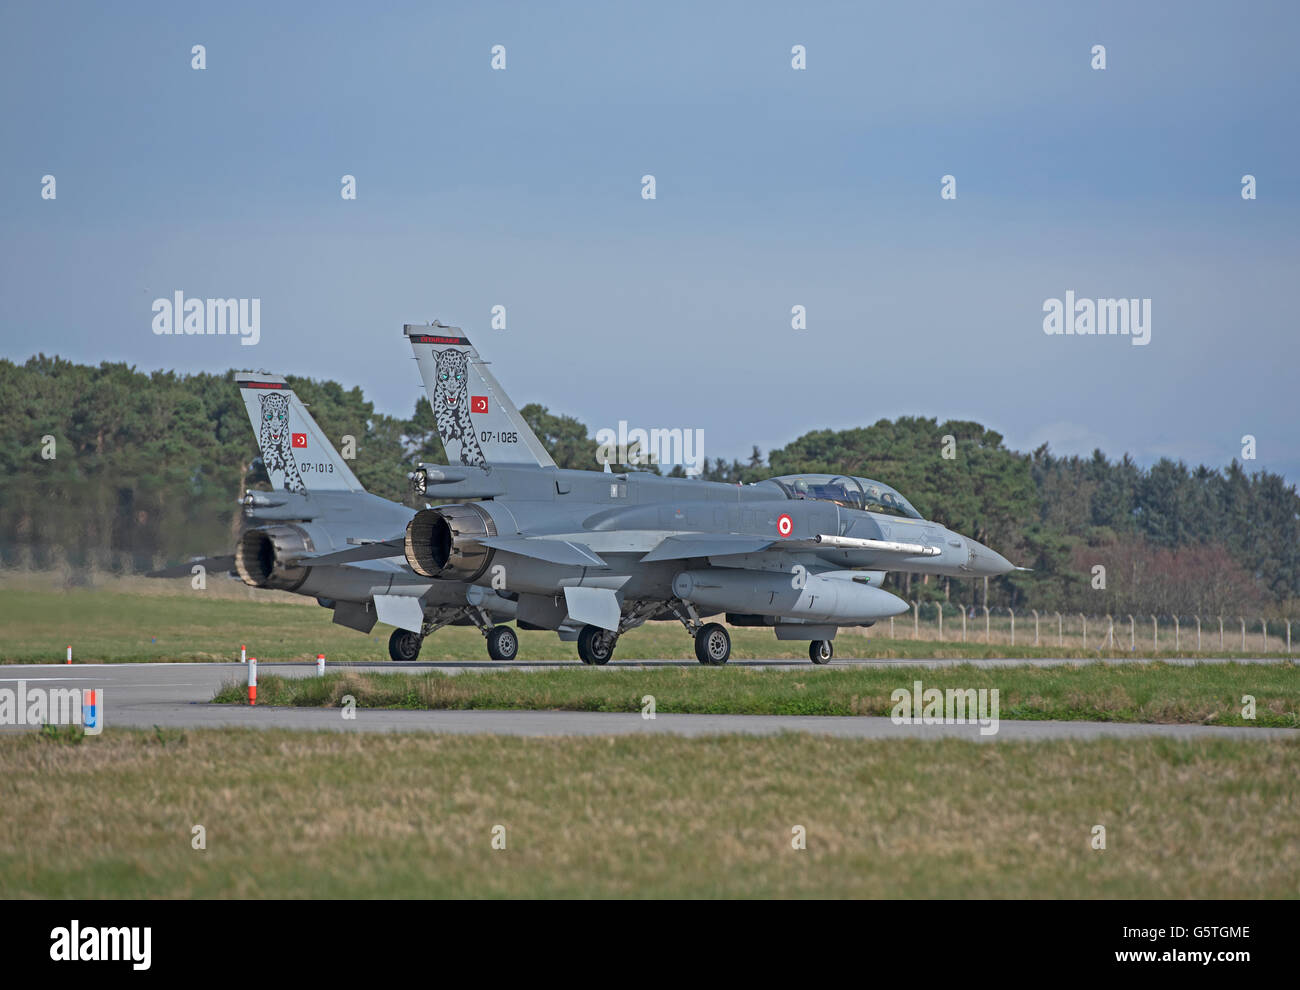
686 545
552 551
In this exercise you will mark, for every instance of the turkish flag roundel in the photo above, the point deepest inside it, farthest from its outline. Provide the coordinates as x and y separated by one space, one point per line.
300 440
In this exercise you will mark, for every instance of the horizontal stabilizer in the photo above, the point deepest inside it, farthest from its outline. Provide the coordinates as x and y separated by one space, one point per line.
706 545
378 550
219 564
552 551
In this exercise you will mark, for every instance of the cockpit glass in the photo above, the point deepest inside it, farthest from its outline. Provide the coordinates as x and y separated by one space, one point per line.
853 493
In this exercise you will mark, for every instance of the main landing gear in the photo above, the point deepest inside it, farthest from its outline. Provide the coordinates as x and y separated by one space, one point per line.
502 643
404 645
712 641
712 644
596 645
821 651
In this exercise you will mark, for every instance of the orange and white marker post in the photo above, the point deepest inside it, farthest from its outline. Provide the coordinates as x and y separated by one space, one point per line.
320 664
243 654
69 654
252 680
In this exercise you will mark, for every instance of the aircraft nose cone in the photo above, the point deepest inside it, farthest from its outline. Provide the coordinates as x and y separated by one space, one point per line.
986 562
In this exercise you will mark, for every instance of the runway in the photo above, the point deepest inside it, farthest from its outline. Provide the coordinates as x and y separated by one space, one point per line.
176 695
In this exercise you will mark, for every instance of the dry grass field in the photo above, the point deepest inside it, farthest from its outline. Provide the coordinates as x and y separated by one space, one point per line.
332 815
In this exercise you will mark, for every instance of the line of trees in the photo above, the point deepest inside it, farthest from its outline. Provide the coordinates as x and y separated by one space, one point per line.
110 467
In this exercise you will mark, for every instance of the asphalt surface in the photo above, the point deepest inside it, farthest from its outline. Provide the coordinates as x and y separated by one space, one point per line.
177 695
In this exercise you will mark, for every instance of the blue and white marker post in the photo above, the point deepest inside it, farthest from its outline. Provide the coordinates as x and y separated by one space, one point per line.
92 711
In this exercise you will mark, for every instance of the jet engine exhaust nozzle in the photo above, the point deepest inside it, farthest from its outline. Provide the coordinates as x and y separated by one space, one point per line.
443 542
266 557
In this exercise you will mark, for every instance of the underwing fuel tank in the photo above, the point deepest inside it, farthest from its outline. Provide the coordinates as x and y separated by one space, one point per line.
840 597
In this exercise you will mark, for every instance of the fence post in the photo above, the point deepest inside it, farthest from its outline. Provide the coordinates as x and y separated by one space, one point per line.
1035 611
941 622
1110 631
1060 631
1243 633
1177 636
916 619
1013 625
963 623
1263 628
1220 632
1085 629
1155 634
1288 635
986 624
1198 632
1132 635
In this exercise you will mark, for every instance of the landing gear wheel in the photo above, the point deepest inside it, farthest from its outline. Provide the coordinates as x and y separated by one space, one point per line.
502 643
821 651
713 644
404 645
596 645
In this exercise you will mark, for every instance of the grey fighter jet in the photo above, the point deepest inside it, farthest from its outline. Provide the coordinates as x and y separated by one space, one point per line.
608 551
298 538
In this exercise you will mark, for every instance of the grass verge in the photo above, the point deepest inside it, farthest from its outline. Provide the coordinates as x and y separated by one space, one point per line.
1130 692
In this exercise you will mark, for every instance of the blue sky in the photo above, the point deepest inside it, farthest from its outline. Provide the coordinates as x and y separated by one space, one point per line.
774 188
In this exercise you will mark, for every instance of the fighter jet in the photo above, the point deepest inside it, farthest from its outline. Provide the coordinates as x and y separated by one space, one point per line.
608 551
298 537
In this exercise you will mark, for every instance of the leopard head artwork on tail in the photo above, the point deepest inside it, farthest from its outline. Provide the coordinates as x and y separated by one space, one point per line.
451 406
274 440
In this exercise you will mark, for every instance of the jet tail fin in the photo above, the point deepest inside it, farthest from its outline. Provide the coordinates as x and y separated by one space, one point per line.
477 422
297 455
